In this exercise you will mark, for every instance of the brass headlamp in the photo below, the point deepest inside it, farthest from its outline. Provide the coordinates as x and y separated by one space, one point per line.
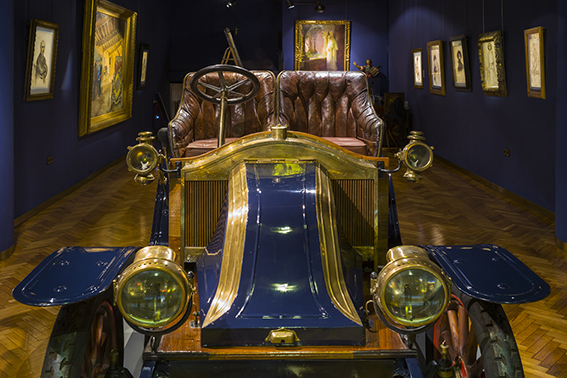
154 290
411 290
416 156
143 158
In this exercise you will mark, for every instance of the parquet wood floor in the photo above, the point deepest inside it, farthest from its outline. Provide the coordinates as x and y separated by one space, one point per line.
446 208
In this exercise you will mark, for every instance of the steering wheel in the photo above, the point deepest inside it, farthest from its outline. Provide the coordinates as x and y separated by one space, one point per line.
228 92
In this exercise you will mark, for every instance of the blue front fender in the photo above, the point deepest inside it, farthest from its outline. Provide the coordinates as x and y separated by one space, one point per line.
490 273
72 274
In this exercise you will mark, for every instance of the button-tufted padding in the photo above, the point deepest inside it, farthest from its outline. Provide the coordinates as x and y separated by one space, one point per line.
194 129
331 104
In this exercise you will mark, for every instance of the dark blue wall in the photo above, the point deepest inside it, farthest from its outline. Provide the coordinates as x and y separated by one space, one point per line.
50 127
471 129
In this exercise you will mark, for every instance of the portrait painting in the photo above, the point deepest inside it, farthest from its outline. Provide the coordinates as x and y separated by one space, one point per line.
143 65
108 66
460 63
417 56
42 56
491 58
535 67
322 45
436 67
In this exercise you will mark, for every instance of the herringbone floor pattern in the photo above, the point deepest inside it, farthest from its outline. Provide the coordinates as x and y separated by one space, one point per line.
446 208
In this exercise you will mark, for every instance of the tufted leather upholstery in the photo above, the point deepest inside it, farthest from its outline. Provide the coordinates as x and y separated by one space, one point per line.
331 104
194 129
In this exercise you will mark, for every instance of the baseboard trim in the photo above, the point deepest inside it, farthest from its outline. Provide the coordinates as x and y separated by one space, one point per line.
38 209
560 244
530 205
7 253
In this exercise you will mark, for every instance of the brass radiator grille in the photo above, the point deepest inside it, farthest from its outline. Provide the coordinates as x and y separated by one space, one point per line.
203 205
354 202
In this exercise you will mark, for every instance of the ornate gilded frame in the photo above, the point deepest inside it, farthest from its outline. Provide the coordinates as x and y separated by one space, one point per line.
460 65
42 49
535 62
107 69
492 70
417 64
436 67
315 34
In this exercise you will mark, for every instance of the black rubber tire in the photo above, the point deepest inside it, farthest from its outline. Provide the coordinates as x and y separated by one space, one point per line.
65 354
500 354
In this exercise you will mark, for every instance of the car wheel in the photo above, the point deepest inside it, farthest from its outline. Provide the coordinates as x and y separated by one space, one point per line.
479 338
84 337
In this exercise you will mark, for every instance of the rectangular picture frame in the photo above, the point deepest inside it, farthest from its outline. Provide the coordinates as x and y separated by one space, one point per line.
491 59
417 64
322 45
144 51
535 62
42 59
107 67
460 66
436 67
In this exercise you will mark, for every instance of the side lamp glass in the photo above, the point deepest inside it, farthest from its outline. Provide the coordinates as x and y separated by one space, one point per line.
416 156
154 290
143 158
411 290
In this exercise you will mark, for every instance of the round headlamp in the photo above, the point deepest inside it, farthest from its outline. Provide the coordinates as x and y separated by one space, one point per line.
154 290
416 156
411 290
142 158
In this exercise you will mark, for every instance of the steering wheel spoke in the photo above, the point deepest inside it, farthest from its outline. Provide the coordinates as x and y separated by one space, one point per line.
233 96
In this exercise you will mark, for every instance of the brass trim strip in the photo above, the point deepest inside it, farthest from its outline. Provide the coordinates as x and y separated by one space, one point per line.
229 279
330 250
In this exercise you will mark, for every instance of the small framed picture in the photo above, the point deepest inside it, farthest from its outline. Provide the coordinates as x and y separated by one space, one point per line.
436 67
42 56
535 62
417 62
143 65
491 58
460 63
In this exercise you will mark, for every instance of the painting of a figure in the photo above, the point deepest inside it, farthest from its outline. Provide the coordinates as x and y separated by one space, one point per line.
322 45
42 52
108 77
535 67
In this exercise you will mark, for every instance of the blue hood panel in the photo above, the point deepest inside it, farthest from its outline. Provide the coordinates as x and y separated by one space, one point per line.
72 274
490 273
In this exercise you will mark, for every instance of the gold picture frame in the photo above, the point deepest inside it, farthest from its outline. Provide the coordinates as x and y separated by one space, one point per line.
107 68
417 63
42 57
491 58
535 62
460 65
436 67
322 45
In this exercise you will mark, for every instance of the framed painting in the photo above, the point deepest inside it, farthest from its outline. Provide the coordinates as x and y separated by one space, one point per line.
143 65
42 56
436 67
108 66
322 45
417 62
491 58
535 62
460 63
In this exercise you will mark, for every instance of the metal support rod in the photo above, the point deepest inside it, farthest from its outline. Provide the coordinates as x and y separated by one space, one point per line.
223 113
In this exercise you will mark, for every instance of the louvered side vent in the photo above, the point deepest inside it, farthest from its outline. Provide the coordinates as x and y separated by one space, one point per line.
354 201
204 200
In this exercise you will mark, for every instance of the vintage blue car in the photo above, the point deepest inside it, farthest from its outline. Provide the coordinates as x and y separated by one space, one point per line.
275 251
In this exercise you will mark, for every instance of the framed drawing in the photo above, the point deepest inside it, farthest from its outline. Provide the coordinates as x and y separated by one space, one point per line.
436 67
322 45
460 63
535 62
143 65
108 66
417 62
491 57
42 56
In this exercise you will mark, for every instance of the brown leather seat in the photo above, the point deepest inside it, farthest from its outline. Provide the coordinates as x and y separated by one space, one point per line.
334 105
194 129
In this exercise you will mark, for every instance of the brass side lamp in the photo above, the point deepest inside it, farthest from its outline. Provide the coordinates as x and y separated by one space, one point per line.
143 158
416 156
